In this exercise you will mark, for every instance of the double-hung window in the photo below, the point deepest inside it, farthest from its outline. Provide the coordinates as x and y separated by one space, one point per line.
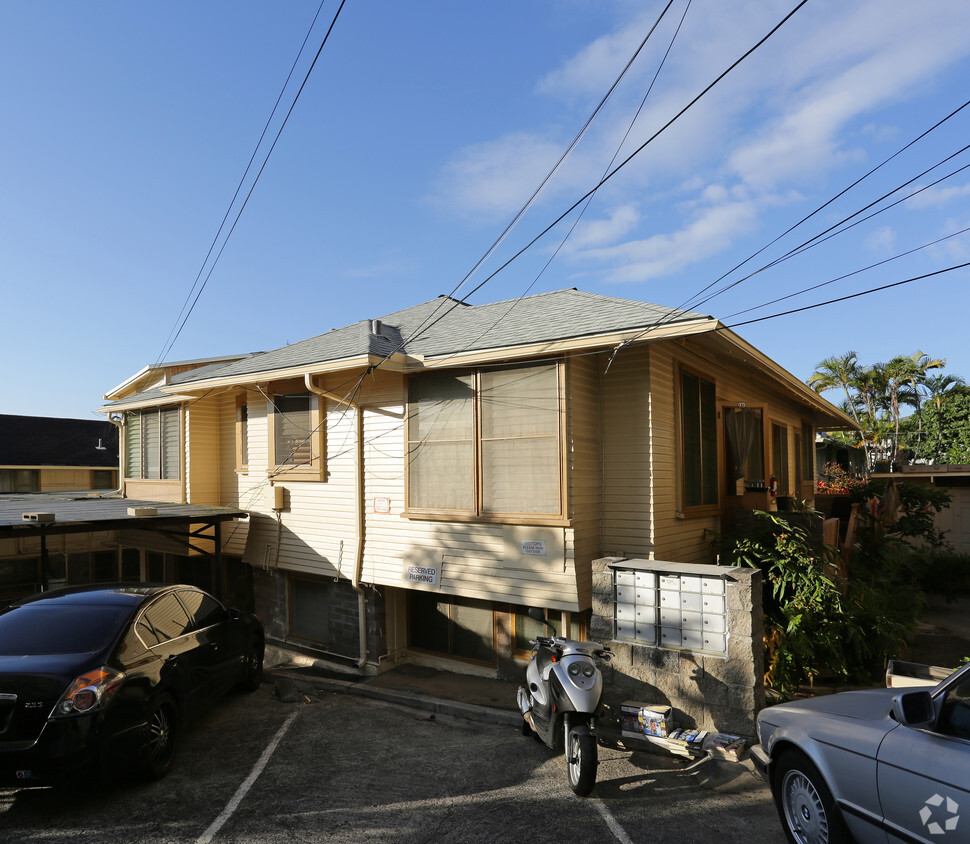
698 413
153 444
486 442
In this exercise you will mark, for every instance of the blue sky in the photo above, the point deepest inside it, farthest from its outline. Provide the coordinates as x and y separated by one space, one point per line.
422 131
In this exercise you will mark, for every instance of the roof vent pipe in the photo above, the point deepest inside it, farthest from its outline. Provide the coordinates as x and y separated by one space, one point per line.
375 326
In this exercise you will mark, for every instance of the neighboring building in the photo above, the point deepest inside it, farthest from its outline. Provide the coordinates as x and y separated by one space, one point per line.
416 481
62 521
44 454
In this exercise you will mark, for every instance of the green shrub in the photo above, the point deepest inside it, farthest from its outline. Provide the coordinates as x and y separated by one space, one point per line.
819 624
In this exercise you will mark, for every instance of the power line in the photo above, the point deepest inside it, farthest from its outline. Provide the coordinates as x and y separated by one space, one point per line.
603 180
255 181
430 320
694 301
852 295
232 202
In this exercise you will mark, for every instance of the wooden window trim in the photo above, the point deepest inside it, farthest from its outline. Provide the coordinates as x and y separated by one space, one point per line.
478 515
242 434
316 469
785 481
707 509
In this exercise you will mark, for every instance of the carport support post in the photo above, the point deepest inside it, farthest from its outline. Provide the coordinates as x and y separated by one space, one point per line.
43 562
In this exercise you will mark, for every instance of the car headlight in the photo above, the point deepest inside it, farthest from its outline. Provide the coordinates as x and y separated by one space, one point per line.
89 691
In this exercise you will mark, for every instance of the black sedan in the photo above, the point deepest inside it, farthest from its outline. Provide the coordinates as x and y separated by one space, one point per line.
98 679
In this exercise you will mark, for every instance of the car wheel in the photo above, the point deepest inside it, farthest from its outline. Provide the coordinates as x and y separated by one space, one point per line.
805 805
253 675
581 761
163 735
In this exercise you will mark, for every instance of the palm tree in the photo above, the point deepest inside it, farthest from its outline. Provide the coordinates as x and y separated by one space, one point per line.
839 371
917 383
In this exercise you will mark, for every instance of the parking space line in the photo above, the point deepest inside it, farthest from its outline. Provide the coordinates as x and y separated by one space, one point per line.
246 784
619 833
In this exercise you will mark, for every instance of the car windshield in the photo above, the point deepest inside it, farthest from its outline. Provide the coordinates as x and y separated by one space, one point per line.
35 630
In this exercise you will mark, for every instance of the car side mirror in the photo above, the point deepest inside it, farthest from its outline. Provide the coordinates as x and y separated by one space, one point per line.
914 709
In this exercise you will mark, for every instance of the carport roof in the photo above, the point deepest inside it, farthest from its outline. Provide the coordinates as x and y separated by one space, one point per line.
88 514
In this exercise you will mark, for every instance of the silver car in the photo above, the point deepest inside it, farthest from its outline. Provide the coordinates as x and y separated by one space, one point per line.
877 765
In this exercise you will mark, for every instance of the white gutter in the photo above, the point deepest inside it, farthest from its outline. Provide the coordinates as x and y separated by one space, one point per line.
359 483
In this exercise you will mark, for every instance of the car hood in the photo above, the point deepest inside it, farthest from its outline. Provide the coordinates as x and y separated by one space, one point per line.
865 704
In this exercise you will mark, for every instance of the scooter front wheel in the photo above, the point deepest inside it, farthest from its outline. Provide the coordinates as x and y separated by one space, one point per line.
581 760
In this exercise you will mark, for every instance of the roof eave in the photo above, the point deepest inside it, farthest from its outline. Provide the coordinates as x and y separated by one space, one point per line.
834 418
397 363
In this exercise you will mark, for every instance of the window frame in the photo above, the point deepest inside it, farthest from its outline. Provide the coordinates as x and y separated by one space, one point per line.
133 430
242 434
710 488
478 511
315 470
759 443
566 623
781 463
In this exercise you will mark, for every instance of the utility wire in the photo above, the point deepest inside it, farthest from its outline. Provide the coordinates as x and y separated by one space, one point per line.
255 180
606 170
602 181
821 237
430 319
168 345
852 295
848 275
825 204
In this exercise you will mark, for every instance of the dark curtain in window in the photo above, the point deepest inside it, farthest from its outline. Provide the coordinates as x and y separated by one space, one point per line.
741 427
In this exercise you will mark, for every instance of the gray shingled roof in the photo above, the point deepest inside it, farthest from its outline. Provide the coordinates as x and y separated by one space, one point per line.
444 326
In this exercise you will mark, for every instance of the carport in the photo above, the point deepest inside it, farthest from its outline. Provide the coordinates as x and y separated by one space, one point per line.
27 522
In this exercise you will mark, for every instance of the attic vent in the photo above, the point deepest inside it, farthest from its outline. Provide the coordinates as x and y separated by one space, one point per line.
375 326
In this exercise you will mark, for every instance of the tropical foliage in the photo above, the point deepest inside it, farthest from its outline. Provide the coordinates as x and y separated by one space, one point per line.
893 402
826 620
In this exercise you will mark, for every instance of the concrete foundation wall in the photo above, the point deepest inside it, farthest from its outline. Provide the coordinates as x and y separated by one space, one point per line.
717 693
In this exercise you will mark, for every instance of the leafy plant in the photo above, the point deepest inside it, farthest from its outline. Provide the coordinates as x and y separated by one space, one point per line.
819 623
802 602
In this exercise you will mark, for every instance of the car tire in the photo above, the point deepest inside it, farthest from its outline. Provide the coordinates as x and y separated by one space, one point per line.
253 675
805 805
163 738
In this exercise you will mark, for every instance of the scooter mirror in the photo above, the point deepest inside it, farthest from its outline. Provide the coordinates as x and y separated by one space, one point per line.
539 614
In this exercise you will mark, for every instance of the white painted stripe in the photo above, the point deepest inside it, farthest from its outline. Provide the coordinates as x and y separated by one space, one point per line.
618 832
246 784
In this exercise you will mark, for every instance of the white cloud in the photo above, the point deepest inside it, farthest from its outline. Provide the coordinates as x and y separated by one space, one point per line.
882 241
936 197
495 178
811 100
593 233
706 234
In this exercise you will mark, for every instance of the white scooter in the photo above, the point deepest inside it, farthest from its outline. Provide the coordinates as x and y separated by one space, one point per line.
560 700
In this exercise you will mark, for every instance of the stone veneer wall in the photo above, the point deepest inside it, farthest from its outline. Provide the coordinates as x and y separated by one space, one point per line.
707 692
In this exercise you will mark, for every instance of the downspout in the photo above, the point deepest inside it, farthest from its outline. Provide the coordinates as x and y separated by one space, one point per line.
119 423
359 484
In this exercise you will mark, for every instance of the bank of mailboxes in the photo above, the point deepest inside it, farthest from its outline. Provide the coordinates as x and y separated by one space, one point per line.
671 610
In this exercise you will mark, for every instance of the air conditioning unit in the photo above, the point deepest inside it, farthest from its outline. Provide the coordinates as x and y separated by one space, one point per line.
38 517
